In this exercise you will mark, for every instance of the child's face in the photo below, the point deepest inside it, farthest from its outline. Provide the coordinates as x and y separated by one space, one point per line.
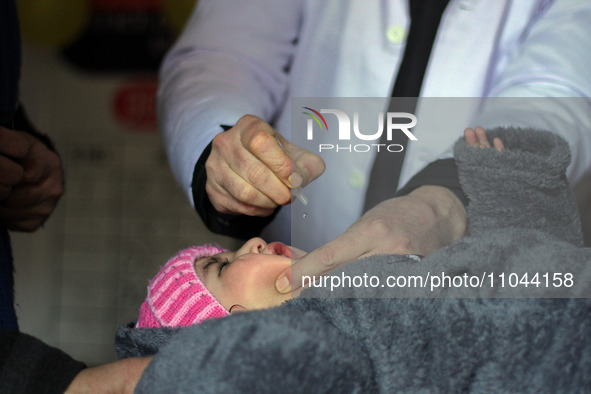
245 279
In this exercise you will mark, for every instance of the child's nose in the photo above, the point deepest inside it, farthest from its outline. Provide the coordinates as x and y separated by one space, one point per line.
256 245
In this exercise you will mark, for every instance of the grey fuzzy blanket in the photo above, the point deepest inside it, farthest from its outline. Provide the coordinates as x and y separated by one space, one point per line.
522 219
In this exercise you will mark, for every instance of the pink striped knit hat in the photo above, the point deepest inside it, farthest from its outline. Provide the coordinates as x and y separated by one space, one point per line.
176 295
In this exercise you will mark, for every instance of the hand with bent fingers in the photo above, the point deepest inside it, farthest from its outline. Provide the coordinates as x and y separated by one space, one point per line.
249 169
31 180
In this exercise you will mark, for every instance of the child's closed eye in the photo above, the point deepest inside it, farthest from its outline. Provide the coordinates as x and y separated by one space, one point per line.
222 265
213 260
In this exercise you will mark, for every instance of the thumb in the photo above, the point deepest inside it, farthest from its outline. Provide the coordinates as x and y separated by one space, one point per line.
337 252
307 166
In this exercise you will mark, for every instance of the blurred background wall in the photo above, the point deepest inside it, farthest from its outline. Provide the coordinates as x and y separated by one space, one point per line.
89 82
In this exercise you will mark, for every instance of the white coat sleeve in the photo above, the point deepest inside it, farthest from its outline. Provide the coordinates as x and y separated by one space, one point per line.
546 83
231 60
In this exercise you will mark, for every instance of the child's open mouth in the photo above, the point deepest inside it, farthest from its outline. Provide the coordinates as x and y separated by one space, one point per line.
279 249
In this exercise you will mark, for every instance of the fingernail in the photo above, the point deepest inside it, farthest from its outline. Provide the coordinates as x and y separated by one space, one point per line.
296 180
282 284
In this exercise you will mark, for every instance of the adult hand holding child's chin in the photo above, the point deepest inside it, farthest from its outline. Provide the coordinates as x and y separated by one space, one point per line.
249 169
420 223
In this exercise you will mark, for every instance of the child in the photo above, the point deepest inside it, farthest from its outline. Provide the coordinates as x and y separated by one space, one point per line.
205 282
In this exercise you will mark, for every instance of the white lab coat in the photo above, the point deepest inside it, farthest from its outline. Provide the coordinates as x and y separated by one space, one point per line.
232 58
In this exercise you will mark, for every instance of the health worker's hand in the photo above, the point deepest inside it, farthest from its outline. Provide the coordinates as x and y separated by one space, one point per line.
249 169
31 180
420 223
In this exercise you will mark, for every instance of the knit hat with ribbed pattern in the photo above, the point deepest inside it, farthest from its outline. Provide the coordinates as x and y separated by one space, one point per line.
177 296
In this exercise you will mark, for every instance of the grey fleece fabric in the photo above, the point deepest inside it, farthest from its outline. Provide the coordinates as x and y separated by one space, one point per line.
522 218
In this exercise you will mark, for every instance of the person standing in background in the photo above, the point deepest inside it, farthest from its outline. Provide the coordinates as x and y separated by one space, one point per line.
31 175
31 184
